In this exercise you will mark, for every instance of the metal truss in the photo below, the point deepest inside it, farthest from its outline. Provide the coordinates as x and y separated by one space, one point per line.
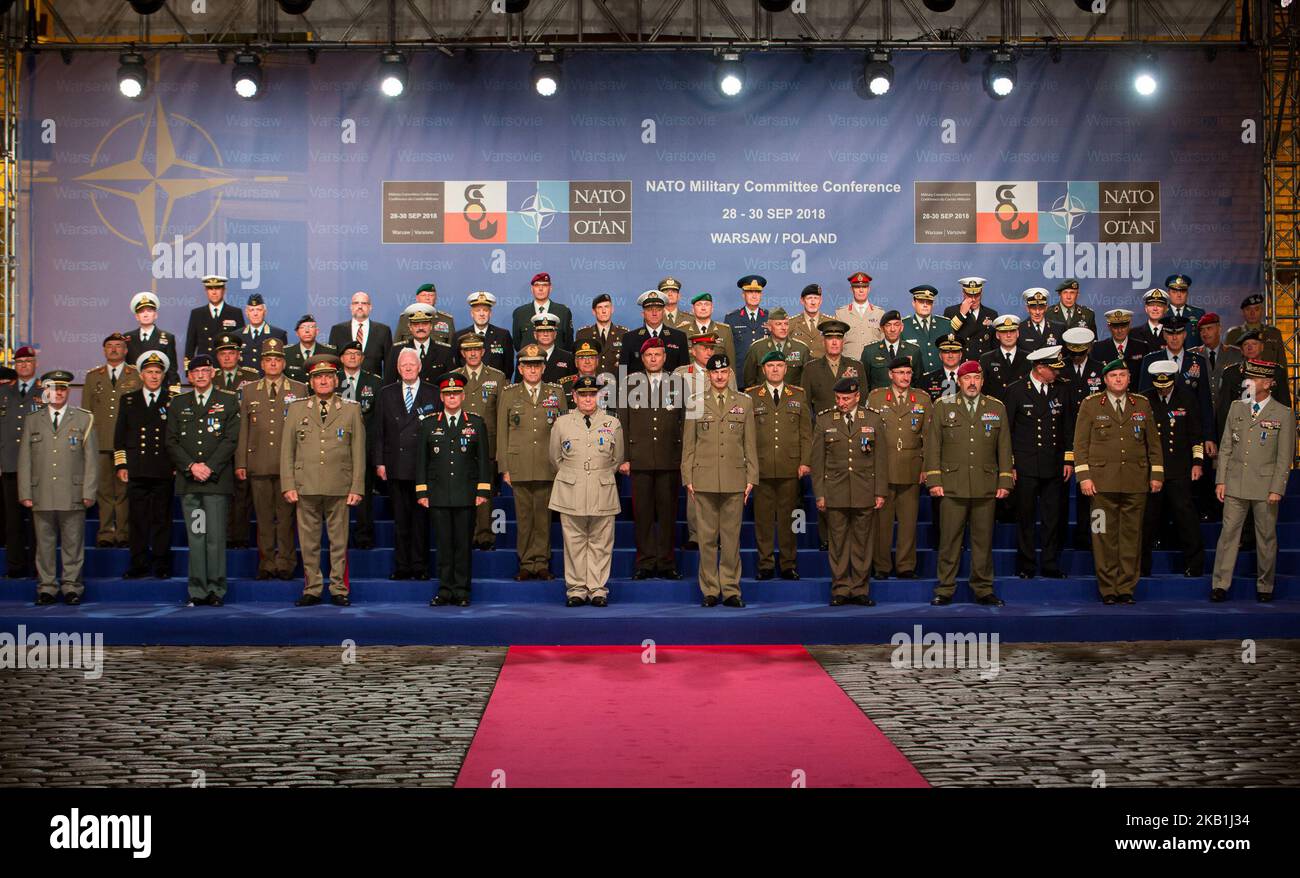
1280 58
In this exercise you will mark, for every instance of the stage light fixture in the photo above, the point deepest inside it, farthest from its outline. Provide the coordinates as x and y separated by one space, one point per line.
878 74
1146 79
392 74
939 5
731 74
546 74
775 5
247 75
514 6
132 76
1000 75
146 7
294 7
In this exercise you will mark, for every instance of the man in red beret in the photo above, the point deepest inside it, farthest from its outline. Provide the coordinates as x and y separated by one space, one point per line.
522 319
17 400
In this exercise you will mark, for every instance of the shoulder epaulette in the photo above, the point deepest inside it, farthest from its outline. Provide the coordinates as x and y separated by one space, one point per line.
98 369
794 387
752 388
85 411
348 401
1091 395
826 411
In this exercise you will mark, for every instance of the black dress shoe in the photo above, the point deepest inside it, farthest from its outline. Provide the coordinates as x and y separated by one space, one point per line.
422 575
307 600
1218 595
215 601
340 600
764 575
990 600
286 576
1192 573
545 576
575 602
669 574
838 600
18 574
733 601
863 600
439 601
910 574
462 602
691 546
484 547
399 574
71 599
1264 597
135 574
162 574
600 601
884 575
710 600
523 576
1025 574
789 574
940 601
824 546
1126 599
263 574
1109 600
642 574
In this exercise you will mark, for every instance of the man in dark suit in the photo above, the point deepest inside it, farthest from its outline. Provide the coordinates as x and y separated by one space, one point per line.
208 322
676 347
375 338
1156 303
255 331
1068 312
297 355
399 418
971 320
498 346
1190 371
150 337
522 319
436 358
1037 331
1121 345
605 335
361 387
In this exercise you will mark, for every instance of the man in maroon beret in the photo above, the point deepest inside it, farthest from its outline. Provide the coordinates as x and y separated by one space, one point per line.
522 319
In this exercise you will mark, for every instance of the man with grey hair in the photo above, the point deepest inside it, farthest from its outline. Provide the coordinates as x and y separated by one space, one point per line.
400 415
375 338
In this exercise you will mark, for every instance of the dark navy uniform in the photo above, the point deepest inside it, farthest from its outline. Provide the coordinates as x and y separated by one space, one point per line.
1032 337
1134 350
999 375
140 448
744 331
1181 432
1080 382
1195 376
975 330
250 353
204 329
295 359
1040 446
451 471
159 340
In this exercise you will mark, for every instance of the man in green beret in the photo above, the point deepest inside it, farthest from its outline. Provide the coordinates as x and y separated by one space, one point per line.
778 338
700 322
443 328
877 357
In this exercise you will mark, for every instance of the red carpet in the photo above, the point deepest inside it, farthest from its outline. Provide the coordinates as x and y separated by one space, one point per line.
701 716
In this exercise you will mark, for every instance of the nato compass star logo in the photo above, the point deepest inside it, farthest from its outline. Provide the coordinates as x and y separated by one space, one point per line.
1068 212
537 212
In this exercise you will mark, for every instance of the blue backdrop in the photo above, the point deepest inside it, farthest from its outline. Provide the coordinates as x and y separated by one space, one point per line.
636 170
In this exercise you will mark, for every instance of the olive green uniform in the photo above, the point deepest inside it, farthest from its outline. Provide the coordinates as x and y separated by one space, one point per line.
1121 455
102 398
783 431
263 416
482 395
969 456
796 357
849 473
906 417
523 437
804 328
877 357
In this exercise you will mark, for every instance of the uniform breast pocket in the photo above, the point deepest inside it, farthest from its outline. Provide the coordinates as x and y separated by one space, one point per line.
735 423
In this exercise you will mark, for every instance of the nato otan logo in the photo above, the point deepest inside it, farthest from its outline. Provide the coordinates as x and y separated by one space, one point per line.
77 831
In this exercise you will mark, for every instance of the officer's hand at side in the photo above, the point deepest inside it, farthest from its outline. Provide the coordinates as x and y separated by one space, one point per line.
1088 488
690 488
423 501
1156 485
479 501
505 477
821 504
291 496
804 470
87 502
748 488
625 467
1069 471
1002 493
880 502
122 476
354 499
27 503
936 491
1211 449
382 472
241 474
1219 491
1274 498
1013 475
1196 471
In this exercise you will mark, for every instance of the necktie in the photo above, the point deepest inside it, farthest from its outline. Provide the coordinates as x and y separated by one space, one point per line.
587 418
1119 349
272 390
1044 391
409 399
216 312
848 418
720 400
152 397
56 418
1119 407
324 410
361 334
423 350
776 396
1254 413
952 377
1213 357
893 351
203 401
532 394
1008 356
452 422
230 378
144 336
23 389
112 377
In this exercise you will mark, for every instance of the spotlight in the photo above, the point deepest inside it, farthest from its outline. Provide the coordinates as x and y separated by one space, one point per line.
1087 6
731 74
132 77
1000 75
146 7
1145 78
546 74
247 75
775 5
294 7
392 74
939 5
513 6
878 74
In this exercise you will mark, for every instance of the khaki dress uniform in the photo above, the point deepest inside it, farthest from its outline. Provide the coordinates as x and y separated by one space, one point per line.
906 417
864 326
263 415
803 327
482 398
324 460
58 470
586 496
969 456
102 398
442 332
523 450
1121 454
783 436
720 457
1254 461
849 466
695 381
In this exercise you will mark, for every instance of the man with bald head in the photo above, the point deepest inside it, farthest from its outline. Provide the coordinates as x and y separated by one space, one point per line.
375 338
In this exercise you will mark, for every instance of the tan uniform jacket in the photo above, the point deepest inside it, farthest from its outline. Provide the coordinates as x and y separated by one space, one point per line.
324 459
524 431
262 423
720 447
585 459
1118 454
969 457
848 462
103 400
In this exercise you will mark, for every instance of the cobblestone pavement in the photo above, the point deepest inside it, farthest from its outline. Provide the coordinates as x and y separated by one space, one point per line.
1178 713
247 717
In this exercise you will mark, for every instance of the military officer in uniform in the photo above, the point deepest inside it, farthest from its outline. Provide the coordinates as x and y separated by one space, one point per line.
202 435
1235 384
1178 286
557 362
1121 345
436 357
498 347
943 381
1117 460
922 329
1005 364
604 335
400 414
652 415
1038 330
968 464
143 465
17 401
850 485
700 322
482 393
860 315
587 361
822 373
257 329
322 471
208 322
877 358
1177 418
675 344
1038 420
526 413
1252 315
586 446
1068 312
362 387
807 327
694 380
795 353
1190 371
671 288
783 431
263 407
230 376
1254 465
748 323
101 396
442 327
542 303
297 355
452 474
971 320
720 469
1082 378
1151 333
905 414
148 336
58 479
